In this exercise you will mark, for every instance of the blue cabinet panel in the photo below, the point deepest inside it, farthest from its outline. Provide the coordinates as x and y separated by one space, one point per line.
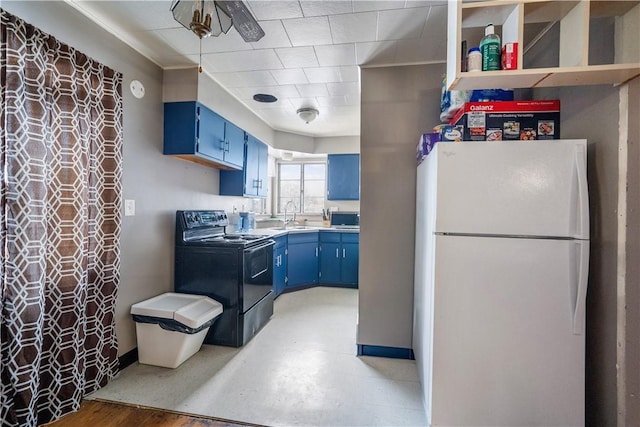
211 137
343 177
302 259
252 180
330 262
194 132
339 258
234 144
350 261
280 265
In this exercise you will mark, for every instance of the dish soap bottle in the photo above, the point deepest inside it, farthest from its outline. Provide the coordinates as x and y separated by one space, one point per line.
490 49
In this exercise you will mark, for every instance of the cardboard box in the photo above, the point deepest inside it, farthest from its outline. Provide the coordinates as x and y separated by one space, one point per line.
452 133
509 120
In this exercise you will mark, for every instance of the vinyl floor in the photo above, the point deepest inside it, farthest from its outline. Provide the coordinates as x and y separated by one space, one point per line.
300 369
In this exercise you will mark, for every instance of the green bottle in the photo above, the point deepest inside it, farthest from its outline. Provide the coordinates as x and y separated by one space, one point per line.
490 49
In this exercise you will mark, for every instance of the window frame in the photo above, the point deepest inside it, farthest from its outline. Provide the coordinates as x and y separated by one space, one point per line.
300 202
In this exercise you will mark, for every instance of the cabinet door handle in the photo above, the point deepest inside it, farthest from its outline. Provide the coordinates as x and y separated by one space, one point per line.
222 145
316 251
337 256
226 146
260 183
343 252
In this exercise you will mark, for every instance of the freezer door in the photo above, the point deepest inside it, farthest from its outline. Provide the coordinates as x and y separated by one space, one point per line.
513 188
506 350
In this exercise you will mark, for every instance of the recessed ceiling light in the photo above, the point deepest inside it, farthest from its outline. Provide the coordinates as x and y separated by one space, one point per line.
264 97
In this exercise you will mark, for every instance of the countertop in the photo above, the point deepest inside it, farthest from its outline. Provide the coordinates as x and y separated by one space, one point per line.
277 231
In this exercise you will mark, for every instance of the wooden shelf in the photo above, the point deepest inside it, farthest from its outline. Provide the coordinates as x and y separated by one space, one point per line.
574 18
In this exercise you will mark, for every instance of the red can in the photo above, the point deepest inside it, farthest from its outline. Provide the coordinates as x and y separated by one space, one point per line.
510 56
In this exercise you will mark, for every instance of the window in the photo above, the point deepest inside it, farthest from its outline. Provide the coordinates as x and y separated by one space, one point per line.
303 184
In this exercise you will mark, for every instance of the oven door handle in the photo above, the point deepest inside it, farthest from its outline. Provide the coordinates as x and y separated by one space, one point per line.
259 247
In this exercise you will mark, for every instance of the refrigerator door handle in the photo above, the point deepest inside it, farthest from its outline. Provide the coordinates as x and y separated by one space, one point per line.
583 195
581 295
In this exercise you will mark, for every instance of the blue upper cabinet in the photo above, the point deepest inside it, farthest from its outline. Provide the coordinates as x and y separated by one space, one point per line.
343 177
252 180
194 132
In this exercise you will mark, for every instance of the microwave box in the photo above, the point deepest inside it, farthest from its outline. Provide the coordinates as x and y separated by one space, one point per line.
509 120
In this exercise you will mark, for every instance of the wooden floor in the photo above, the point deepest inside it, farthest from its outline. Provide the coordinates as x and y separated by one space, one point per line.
110 414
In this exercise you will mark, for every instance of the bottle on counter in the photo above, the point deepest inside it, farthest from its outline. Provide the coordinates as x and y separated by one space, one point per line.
490 49
474 60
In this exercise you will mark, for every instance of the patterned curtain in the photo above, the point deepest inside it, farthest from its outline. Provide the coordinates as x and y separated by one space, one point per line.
60 193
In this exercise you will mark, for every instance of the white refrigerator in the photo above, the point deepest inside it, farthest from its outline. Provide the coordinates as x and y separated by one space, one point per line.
502 254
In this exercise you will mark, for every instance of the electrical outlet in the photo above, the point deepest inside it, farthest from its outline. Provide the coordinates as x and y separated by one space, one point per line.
129 207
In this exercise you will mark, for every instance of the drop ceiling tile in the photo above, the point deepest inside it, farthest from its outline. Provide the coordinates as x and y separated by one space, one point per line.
281 104
156 48
376 53
274 36
424 3
308 31
230 42
127 16
338 89
245 79
316 89
332 101
339 54
323 74
177 61
304 102
349 74
354 27
353 99
280 92
290 76
267 10
297 57
265 59
367 6
320 8
180 40
401 24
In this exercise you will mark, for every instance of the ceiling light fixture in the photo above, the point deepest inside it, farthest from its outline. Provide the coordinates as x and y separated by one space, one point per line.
308 114
211 18
287 156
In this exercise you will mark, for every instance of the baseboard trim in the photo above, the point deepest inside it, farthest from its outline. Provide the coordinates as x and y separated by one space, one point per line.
382 351
128 359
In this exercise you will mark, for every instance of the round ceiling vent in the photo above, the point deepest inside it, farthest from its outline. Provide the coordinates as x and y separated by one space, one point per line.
264 97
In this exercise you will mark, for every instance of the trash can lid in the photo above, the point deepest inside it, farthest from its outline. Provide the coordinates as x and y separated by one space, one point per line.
190 310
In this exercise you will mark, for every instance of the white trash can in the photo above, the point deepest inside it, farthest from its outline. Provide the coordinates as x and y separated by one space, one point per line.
171 327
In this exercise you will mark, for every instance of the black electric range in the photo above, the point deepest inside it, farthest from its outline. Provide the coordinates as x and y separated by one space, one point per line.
234 269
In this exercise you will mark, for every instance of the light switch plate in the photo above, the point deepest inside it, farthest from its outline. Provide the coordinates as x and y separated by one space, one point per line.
129 207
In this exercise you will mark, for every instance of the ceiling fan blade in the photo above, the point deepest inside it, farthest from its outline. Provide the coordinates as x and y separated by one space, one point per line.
182 12
242 19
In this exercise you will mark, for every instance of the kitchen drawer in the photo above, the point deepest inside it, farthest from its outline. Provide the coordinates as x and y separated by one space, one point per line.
329 236
350 237
303 238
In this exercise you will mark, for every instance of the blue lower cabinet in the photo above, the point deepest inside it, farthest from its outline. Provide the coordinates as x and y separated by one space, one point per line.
339 258
350 261
302 259
330 262
280 265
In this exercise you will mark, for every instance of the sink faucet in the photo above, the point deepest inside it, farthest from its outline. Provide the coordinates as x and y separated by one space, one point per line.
286 206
